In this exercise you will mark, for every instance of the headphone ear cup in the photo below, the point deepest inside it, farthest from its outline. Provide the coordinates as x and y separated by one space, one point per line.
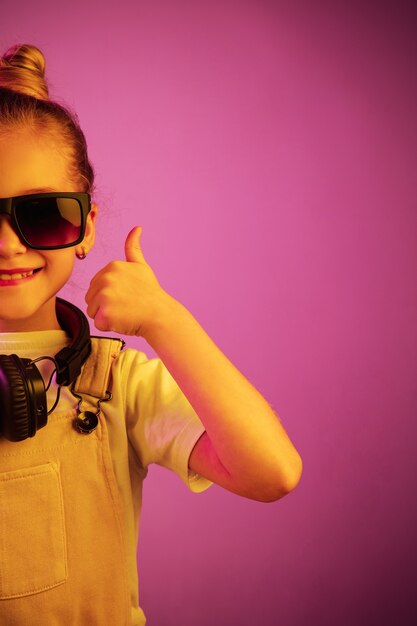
22 398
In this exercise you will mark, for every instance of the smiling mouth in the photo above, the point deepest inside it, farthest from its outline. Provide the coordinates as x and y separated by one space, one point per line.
19 275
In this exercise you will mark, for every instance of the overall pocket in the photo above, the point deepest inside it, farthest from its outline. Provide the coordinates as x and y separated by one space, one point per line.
33 554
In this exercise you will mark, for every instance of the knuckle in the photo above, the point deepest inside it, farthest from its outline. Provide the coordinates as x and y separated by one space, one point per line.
115 266
106 296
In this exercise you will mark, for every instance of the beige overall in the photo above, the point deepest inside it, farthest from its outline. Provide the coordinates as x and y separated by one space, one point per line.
62 552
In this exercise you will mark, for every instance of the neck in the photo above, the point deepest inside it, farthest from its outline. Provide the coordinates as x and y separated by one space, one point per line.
43 318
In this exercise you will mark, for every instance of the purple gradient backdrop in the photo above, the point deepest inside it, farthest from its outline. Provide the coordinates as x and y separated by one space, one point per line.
268 149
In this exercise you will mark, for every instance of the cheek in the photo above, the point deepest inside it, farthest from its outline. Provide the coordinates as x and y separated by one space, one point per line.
61 262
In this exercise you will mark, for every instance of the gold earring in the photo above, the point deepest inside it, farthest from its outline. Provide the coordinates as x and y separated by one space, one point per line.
82 255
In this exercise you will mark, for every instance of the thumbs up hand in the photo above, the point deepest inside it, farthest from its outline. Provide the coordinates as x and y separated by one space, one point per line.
125 296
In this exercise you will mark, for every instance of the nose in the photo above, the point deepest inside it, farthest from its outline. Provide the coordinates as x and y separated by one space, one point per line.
10 243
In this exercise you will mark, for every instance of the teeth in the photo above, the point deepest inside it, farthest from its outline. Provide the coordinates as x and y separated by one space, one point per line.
15 276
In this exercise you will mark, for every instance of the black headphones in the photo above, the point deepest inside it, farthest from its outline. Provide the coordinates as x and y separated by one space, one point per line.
23 407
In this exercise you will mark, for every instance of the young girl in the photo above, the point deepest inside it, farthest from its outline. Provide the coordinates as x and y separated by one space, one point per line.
79 429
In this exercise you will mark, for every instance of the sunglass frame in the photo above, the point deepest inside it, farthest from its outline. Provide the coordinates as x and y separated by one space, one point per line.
7 207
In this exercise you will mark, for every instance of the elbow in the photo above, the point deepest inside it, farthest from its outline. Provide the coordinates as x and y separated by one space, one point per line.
271 483
295 475
286 482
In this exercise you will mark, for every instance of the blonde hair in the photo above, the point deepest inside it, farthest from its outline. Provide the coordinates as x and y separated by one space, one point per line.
25 106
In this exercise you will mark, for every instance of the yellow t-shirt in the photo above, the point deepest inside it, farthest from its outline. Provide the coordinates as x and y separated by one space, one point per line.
149 420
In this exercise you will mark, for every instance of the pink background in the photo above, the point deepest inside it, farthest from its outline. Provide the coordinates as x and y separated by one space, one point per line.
268 149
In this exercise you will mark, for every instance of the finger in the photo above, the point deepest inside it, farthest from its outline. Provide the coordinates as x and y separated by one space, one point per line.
92 291
133 250
92 299
97 282
92 307
101 321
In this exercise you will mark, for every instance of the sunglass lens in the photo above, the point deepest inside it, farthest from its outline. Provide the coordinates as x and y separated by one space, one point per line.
48 222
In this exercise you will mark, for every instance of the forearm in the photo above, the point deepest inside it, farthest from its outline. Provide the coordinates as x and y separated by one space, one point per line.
245 432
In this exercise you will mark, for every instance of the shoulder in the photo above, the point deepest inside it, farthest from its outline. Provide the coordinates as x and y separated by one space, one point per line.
126 363
113 349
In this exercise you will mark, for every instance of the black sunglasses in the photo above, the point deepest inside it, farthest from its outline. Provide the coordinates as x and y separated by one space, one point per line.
48 221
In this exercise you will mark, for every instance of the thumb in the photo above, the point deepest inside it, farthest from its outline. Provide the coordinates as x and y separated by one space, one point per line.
133 251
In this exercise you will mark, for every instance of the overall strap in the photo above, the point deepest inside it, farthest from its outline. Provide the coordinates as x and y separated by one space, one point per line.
94 377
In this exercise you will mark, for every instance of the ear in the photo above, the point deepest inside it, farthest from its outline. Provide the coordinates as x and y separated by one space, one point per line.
90 231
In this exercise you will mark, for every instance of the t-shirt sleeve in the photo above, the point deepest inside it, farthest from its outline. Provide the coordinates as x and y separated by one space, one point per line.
162 426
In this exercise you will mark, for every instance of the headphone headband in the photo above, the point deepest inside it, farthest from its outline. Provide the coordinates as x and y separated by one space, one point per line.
70 359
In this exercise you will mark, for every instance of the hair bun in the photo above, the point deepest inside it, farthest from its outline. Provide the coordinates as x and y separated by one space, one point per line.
22 68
